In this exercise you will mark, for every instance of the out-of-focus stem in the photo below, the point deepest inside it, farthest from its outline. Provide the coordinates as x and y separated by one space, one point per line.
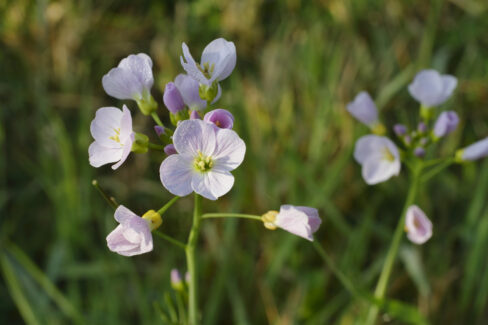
192 263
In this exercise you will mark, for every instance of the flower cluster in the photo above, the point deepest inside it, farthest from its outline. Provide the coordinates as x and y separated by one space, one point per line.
381 158
201 147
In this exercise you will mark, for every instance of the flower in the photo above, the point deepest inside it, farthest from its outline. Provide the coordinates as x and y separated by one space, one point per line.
220 117
430 88
477 150
400 130
172 98
112 131
189 90
419 152
170 149
132 79
364 109
217 62
379 158
298 220
417 225
205 156
132 236
446 123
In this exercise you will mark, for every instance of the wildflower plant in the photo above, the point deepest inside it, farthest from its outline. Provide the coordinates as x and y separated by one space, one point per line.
381 158
198 153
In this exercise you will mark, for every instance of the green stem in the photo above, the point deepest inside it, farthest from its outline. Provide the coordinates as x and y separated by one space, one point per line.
168 205
395 244
110 201
155 146
231 215
156 119
169 239
192 263
437 169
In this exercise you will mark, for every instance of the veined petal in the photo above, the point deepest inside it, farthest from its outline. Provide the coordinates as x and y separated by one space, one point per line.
123 215
188 88
191 67
122 84
141 67
99 155
222 55
230 150
176 174
212 184
125 124
126 150
193 137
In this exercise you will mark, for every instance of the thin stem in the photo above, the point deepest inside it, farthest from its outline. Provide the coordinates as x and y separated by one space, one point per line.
192 263
395 244
110 201
339 275
231 215
168 205
156 119
155 146
437 169
169 239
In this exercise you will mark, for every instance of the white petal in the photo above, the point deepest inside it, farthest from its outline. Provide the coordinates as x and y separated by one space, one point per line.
104 125
366 146
191 67
430 88
449 83
221 54
477 150
140 66
212 184
364 109
176 174
99 155
123 215
122 84
126 150
194 136
294 221
230 150
188 88
125 124
376 169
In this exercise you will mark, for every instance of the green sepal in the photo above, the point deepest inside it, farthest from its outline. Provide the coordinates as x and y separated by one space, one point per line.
141 143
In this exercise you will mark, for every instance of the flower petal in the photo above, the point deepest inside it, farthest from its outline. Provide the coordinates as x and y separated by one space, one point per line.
376 169
230 150
107 120
140 66
124 215
364 109
126 150
176 174
191 66
212 184
194 136
122 84
125 124
99 155
222 55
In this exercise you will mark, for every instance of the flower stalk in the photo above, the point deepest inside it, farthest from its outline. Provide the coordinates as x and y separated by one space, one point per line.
192 263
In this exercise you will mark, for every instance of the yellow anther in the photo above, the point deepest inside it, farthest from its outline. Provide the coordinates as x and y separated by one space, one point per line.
153 218
203 163
116 137
269 219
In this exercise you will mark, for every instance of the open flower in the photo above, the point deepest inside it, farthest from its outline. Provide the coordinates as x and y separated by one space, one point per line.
189 90
417 225
217 62
132 79
298 220
220 117
112 131
379 158
477 150
205 156
132 236
446 123
430 88
364 109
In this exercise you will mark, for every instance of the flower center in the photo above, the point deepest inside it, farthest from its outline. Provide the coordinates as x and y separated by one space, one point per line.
202 163
387 155
116 137
207 69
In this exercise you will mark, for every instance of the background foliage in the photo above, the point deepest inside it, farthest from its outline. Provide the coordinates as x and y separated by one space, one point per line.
299 63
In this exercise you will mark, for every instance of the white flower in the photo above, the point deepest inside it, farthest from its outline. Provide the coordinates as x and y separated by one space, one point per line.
205 156
430 88
133 235
298 220
112 131
132 79
217 62
364 109
188 88
379 158
417 225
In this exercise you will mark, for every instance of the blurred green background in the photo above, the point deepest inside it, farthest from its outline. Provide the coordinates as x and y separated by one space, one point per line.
299 63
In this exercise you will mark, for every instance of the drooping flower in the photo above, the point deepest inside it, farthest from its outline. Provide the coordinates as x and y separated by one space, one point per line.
222 118
417 225
172 98
298 220
112 131
475 151
364 110
217 62
379 158
133 234
205 156
189 90
132 79
430 88
446 123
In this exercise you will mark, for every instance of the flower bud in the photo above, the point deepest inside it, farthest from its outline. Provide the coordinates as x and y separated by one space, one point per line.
422 127
400 130
269 219
417 225
176 280
477 150
194 115
153 218
220 117
170 149
419 152
147 104
159 130
446 123
208 92
172 98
